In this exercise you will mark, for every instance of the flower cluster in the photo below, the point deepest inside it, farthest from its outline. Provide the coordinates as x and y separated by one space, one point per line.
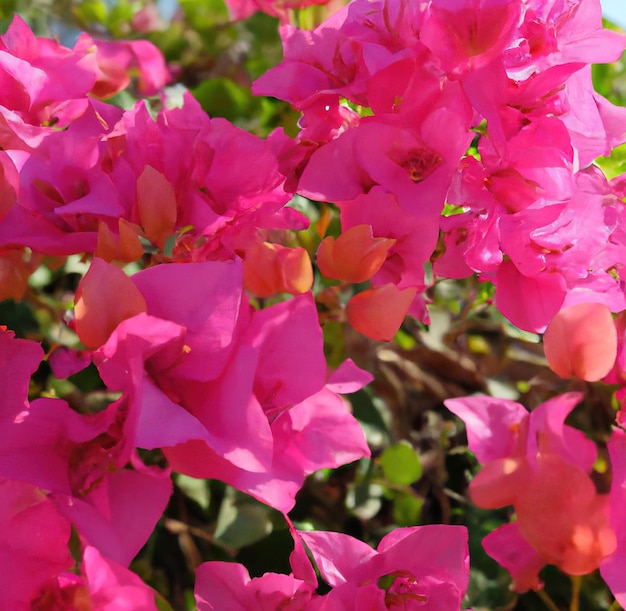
456 137
394 93
223 388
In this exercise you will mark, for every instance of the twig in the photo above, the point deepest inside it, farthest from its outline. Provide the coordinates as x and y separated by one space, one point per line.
574 604
547 601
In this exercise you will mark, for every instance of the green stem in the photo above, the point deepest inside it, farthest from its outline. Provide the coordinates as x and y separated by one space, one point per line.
547 601
574 605
615 606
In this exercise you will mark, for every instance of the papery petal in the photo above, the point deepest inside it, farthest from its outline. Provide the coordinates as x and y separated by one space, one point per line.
104 298
378 313
581 341
548 433
156 205
499 482
355 256
528 302
492 425
507 546
348 378
34 543
119 514
19 358
337 555
113 587
612 567
226 585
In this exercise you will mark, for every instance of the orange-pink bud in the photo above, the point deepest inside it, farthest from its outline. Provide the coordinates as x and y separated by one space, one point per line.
104 298
581 341
156 205
355 256
124 247
378 313
271 268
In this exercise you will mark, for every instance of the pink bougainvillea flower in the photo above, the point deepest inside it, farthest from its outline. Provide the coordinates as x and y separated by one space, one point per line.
507 547
557 33
355 256
271 268
423 565
118 513
581 341
500 429
227 585
240 400
536 164
416 164
297 450
44 83
560 514
117 60
103 585
81 460
468 34
530 302
33 543
241 9
404 264
62 197
612 567
19 358
540 466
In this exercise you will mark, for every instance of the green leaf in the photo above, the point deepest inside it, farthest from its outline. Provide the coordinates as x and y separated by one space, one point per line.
241 521
92 12
196 489
407 509
334 343
615 163
221 97
400 464
366 412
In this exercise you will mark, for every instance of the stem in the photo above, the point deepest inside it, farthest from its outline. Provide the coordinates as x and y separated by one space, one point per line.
575 593
547 601
615 606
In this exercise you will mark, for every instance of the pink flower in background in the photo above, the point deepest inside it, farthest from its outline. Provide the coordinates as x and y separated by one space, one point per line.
540 466
241 9
612 567
44 84
117 60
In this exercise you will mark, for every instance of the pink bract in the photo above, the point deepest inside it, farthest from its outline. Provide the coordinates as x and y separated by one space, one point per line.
104 585
34 544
